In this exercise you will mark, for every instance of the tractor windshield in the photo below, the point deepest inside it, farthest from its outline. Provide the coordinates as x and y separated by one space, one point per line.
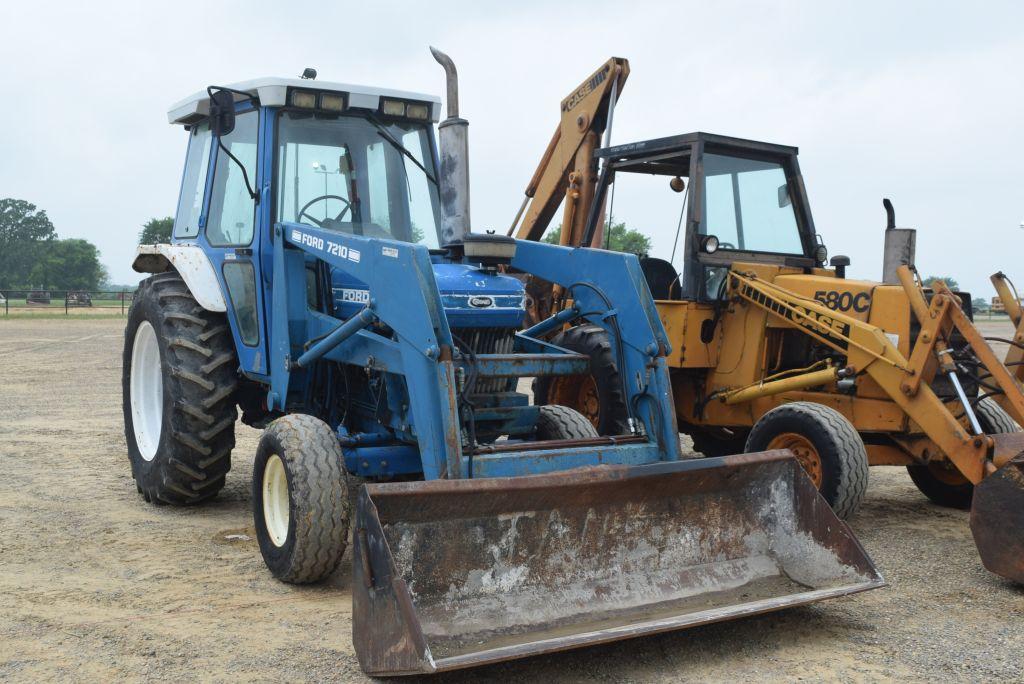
356 176
747 206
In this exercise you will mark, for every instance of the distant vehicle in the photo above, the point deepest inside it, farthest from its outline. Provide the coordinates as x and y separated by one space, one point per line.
38 297
78 298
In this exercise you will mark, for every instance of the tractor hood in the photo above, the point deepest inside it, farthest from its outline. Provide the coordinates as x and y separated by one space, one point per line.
472 297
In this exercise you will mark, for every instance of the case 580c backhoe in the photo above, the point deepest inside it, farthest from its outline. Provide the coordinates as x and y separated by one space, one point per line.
772 349
322 278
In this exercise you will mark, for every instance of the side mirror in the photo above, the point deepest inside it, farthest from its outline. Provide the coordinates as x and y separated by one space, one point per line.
784 198
222 113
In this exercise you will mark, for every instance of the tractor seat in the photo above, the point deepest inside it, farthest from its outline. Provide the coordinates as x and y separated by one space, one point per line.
662 278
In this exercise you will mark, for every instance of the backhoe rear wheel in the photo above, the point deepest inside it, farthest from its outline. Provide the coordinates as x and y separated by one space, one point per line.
826 445
942 482
300 499
178 378
598 396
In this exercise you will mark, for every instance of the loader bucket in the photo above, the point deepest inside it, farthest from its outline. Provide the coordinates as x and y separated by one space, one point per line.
997 520
457 573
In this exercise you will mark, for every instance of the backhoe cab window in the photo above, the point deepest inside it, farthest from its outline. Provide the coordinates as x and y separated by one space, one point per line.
747 206
346 174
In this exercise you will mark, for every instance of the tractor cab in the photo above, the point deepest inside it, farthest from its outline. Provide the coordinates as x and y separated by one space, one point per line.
738 200
351 160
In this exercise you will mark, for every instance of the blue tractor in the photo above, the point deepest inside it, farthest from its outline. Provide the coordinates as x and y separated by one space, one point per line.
323 281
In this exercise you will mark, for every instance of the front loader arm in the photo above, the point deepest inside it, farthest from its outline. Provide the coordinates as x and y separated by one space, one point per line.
868 350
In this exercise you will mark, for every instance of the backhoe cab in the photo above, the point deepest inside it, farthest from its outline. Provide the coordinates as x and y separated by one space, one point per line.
743 201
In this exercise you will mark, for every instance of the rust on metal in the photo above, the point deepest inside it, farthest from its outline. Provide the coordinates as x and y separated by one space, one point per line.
467 572
551 444
997 520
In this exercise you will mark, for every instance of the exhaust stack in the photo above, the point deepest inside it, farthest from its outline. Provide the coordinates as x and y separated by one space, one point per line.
900 246
453 143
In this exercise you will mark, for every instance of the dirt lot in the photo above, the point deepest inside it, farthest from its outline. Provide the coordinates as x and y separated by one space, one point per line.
97 585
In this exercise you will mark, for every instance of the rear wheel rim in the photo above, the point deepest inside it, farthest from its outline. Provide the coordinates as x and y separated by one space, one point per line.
147 391
805 452
579 393
275 500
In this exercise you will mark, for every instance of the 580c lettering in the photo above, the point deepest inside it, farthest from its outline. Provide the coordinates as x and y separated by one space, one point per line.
844 301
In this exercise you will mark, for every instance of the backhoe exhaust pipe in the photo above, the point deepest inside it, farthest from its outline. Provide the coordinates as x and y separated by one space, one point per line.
453 143
900 246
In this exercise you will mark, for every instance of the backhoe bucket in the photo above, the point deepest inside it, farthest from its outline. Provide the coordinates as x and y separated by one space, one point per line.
458 573
997 519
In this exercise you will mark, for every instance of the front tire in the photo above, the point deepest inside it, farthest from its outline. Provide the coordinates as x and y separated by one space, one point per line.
826 445
942 483
562 422
300 499
178 382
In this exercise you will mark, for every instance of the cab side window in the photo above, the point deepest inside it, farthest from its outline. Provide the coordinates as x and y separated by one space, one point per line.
232 210
193 185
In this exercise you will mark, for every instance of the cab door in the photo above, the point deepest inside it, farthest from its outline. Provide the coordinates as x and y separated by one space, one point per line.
230 230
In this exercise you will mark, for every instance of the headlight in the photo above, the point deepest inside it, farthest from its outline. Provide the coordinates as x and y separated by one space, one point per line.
332 102
709 244
417 111
820 254
392 107
304 99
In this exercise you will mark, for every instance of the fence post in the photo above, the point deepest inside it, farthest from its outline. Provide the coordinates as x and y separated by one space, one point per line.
65 302
122 301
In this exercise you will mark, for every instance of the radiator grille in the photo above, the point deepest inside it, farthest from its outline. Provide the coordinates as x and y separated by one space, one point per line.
488 341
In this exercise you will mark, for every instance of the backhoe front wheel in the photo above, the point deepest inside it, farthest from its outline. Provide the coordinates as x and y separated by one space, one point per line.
178 382
941 482
825 444
300 499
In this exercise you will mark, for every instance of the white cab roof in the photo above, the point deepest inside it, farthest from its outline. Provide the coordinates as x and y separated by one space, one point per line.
273 91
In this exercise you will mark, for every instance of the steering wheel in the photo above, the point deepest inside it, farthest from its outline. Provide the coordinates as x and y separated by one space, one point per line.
324 198
726 245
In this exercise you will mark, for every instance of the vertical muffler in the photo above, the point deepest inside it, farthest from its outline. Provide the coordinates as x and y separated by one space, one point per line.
453 146
457 573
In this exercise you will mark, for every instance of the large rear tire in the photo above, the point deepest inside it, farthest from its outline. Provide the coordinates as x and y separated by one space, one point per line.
826 445
598 396
178 378
942 483
300 499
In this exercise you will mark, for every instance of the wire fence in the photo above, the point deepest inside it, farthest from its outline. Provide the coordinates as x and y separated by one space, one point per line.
67 302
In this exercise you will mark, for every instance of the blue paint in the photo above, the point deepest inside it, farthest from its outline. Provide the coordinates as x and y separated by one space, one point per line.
377 356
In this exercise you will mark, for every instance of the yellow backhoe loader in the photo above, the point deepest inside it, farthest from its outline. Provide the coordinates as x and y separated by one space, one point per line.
772 348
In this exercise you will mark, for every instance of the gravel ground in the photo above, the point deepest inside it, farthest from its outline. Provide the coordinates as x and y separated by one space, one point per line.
97 585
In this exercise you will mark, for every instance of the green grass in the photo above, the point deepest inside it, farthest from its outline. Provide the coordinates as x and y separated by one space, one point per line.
59 315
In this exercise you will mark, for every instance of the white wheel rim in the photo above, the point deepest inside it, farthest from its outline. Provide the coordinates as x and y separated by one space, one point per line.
275 500
147 391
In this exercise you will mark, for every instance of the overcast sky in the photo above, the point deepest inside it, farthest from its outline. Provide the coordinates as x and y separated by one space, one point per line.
921 102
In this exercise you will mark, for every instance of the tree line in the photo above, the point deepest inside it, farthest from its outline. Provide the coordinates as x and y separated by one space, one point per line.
34 257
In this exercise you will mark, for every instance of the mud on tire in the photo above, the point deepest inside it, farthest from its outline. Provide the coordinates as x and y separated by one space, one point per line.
181 451
300 499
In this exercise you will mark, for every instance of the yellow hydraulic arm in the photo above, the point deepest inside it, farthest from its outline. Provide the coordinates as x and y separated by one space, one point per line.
568 169
869 350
